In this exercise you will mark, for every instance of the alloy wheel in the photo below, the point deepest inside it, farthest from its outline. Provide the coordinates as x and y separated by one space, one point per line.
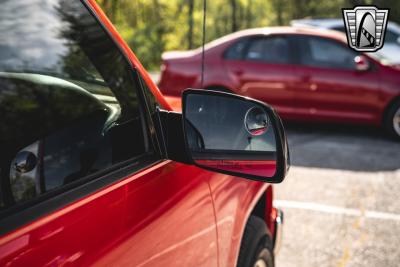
260 263
396 121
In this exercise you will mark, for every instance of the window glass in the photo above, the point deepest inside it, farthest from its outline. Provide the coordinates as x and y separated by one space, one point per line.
236 50
271 50
339 28
391 37
68 103
319 52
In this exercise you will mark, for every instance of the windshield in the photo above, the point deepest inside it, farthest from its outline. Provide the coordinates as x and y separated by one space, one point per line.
380 57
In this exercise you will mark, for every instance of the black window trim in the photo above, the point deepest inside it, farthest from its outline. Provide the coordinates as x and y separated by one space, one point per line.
154 134
24 213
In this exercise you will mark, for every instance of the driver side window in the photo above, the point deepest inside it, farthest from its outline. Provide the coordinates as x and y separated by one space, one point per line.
324 53
71 111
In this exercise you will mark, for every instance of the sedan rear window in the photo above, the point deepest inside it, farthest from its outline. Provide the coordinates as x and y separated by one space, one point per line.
269 50
236 51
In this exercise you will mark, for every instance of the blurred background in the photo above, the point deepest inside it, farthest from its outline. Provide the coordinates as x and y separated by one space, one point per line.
153 26
341 196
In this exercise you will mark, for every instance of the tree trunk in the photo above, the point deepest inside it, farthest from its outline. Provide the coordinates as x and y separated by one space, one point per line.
241 20
279 15
249 18
160 27
234 22
190 22
114 8
277 5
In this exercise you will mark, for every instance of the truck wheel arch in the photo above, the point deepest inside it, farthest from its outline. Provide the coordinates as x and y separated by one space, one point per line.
263 208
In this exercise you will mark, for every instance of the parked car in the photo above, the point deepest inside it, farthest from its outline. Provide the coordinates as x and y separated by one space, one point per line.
390 49
97 169
306 74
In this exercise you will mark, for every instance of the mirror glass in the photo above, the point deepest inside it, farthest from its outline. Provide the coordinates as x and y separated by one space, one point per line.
229 133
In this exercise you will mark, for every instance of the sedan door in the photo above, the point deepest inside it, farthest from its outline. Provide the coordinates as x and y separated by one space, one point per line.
329 87
264 71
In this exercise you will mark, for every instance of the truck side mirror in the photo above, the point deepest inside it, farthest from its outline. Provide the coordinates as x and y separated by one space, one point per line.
234 135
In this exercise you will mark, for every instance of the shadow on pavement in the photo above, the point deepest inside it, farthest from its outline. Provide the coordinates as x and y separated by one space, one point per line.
355 148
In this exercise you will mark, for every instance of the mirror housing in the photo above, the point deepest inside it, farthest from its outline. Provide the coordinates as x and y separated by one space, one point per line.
234 135
362 63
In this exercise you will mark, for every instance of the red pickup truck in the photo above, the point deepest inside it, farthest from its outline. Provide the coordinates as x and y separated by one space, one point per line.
96 169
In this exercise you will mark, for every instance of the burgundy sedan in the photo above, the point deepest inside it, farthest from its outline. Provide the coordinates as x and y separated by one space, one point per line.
305 74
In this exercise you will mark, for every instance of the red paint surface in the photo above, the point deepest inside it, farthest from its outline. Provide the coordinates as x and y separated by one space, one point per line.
161 216
297 92
233 201
129 223
169 214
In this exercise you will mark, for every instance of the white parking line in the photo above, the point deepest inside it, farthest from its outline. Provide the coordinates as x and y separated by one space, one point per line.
336 210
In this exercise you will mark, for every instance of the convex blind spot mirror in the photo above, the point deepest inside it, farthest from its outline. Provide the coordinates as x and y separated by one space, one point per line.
256 121
235 135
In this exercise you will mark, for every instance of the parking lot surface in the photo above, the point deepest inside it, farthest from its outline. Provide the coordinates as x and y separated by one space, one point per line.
341 198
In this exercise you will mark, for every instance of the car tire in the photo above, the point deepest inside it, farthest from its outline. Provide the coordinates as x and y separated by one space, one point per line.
392 120
256 248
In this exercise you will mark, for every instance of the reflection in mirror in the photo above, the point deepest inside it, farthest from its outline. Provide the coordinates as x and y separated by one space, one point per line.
68 104
231 134
256 121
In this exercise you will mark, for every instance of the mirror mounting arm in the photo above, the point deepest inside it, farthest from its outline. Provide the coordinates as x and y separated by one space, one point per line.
174 141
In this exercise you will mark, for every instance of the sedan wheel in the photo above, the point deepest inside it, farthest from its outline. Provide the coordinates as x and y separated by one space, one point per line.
260 263
396 122
391 120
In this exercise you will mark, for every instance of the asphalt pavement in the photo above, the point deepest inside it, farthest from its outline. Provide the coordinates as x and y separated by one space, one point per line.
341 197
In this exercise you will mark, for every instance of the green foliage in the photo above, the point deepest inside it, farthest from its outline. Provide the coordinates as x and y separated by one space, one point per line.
153 26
